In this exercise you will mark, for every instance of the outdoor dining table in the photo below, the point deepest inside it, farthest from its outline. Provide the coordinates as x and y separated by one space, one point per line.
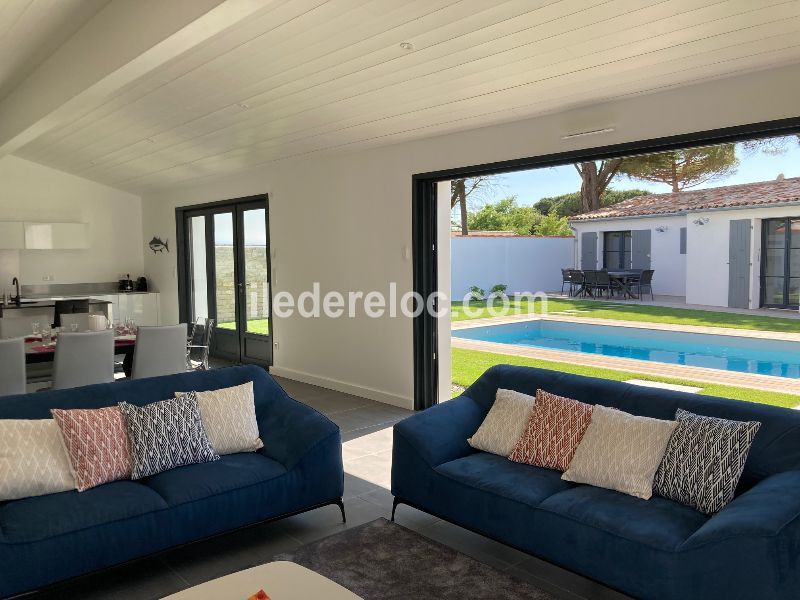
623 279
38 352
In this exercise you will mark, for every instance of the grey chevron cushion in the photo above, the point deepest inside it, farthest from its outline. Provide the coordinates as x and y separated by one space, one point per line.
704 460
166 434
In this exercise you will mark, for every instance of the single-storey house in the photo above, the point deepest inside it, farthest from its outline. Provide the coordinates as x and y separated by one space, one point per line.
736 246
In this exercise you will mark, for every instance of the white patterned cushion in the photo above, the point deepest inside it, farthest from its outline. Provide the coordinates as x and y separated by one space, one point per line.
33 460
166 434
229 418
504 424
620 451
704 460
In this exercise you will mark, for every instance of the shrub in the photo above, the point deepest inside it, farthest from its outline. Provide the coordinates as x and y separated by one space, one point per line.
476 294
499 290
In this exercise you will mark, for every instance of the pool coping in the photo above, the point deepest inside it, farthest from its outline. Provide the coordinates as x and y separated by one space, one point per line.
728 331
701 374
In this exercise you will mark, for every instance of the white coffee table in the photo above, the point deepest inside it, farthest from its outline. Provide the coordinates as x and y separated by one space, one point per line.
280 580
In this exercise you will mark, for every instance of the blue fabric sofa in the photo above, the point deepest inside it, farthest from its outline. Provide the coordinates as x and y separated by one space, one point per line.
653 548
51 538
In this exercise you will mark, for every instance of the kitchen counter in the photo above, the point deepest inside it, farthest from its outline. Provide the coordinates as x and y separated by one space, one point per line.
44 304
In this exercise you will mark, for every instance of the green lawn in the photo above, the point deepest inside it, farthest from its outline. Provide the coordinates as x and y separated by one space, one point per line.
642 312
468 365
253 326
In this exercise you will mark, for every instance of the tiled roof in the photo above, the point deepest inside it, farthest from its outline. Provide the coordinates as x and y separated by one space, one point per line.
731 196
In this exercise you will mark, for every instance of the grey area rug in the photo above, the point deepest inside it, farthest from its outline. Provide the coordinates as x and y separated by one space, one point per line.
385 561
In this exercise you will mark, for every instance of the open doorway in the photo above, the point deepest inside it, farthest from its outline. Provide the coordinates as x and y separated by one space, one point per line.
224 274
672 242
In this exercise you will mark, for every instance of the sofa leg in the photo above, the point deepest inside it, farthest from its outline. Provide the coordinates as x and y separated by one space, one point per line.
340 504
394 507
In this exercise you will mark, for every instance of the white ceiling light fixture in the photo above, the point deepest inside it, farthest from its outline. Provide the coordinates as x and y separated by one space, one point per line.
407 46
578 134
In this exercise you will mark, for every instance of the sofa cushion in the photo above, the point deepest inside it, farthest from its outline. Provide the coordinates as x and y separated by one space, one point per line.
553 432
504 423
230 472
97 444
620 451
166 434
704 460
499 476
658 522
43 517
33 460
229 418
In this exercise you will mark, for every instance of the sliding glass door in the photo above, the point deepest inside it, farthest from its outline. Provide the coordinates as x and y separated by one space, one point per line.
225 275
780 263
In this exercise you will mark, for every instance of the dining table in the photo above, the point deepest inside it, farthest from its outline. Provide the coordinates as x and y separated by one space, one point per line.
623 279
38 351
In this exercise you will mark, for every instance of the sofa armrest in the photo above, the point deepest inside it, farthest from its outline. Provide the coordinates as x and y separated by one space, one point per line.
439 434
289 429
768 509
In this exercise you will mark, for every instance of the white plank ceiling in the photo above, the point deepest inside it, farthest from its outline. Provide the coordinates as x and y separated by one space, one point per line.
309 76
30 30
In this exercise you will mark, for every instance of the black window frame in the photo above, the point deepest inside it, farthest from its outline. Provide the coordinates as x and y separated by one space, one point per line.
423 217
620 251
787 263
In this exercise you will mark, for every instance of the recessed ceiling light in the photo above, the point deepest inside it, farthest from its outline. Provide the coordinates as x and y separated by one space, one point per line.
569 136
408 46
243 105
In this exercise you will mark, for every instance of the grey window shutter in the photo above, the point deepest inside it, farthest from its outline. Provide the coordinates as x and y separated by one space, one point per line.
640 248
683 240
589 250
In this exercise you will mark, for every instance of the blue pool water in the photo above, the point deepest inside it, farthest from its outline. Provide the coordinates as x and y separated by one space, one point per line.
729 353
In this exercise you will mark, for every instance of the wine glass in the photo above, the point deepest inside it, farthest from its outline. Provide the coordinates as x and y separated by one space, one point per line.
46 334
35 326
73 327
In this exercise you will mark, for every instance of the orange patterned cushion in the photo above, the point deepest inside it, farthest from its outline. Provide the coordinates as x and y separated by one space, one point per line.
97 444
554 431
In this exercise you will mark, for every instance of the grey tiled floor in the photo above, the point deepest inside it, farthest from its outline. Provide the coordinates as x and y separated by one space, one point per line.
367 442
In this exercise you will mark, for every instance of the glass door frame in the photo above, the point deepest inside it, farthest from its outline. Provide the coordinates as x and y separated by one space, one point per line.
787 249
223 346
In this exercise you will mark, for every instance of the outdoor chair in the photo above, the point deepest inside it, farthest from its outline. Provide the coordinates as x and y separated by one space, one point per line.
602 283
566 279
576 282
643 283
589 282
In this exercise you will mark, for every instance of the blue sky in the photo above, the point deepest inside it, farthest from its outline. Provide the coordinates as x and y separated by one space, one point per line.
530 186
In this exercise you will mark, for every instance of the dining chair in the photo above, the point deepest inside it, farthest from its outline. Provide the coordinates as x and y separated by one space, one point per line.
70 307
644 283
83 359
79 319
12 367
566 279
602 282
13 327
159 351
199 344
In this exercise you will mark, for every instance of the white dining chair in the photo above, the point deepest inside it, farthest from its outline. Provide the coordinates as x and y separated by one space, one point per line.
83 359
12 367
14 327
79 319
159 351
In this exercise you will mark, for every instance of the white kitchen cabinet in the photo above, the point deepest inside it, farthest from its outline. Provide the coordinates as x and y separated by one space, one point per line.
142 308
12 235
56 236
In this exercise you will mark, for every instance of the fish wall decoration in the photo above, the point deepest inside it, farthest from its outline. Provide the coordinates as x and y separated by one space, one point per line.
156 245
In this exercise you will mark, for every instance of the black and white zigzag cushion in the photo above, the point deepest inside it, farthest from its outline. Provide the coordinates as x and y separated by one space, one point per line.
166 434
704 460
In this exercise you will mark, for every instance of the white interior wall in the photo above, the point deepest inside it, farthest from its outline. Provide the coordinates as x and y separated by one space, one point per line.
32 192
666 260
345 220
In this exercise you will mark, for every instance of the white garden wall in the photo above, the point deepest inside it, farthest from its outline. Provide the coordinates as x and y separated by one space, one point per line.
524 264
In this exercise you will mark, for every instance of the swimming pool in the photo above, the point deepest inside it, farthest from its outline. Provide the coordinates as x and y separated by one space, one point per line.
725 352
